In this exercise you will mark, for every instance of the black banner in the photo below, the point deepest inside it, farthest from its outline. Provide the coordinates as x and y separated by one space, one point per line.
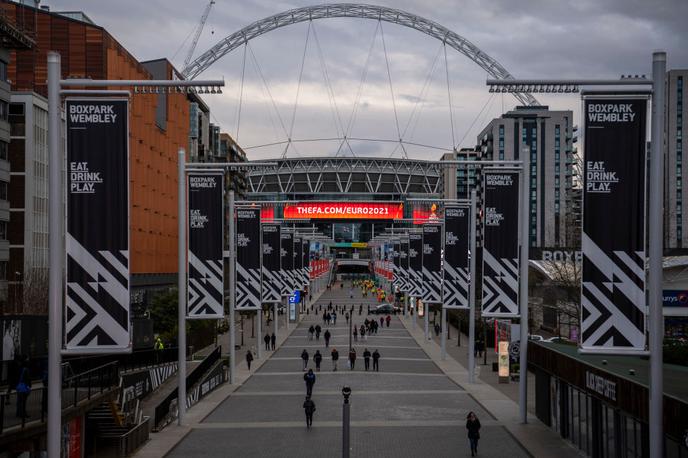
272 286
396 269
298 264
500 243
613 241
205 288
404 266
415 255
287 263
456 268
306 262
432 264
97 239
249 255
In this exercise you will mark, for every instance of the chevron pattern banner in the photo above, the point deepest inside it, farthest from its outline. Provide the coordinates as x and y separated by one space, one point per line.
396 266
287 263
97 295
432 264
613 302
416 264
500 244
405 284
205 281
248 262
306 263
271 290
297 272
456 267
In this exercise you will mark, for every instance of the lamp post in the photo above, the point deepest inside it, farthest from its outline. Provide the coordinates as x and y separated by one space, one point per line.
346 392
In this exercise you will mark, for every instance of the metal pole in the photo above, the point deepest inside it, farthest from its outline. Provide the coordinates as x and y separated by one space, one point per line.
181 284
232 292
655 252
259 332
56 259
426 319
414 315
275 323
345 426
523 288
471 293
444 334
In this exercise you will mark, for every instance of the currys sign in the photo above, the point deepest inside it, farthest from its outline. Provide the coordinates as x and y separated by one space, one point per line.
674 298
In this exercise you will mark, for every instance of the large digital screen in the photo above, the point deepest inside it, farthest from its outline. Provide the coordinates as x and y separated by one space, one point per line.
344 210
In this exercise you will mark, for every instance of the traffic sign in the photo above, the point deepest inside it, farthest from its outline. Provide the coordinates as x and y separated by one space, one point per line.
295 298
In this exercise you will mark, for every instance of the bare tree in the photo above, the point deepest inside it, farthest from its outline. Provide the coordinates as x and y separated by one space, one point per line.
34 295
562 289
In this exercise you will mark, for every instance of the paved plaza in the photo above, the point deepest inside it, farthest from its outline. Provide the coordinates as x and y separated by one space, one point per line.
408 409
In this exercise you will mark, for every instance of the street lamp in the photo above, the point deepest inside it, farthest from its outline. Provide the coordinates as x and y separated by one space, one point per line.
346 392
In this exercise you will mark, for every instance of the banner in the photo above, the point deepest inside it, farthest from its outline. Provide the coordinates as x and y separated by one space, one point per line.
306 263
613 242
344 210
432 264
97 227
297 284
415 255
205 263
286 262
500 243
456 267
404 266
249 254
271 290
396 269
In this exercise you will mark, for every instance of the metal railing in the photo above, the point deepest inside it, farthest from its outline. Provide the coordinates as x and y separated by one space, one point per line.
18 410
130 441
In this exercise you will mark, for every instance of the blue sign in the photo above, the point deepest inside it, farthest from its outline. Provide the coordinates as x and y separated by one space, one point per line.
675 298
295 298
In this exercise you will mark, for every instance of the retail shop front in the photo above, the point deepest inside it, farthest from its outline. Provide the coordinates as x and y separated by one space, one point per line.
600 403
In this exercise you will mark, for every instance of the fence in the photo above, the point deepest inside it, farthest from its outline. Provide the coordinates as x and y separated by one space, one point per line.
134 438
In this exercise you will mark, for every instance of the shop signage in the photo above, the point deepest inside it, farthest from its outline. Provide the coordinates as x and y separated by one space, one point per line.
600 385
344 210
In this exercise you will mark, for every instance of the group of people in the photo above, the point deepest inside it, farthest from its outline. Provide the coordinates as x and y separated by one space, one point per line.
270 341
317 359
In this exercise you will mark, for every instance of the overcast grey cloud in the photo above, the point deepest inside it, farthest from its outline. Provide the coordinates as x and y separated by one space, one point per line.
531 38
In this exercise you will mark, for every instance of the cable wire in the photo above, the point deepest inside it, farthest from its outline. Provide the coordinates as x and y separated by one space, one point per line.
391 88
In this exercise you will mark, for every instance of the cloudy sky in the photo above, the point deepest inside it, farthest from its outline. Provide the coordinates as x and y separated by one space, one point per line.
530 38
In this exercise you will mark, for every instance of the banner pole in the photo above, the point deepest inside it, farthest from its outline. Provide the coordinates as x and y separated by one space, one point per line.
523 289
232 290
471 294
655 252
426 320
444 333
259 332
56 259
181 284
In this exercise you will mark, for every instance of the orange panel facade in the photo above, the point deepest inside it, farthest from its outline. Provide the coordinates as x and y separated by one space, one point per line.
89 51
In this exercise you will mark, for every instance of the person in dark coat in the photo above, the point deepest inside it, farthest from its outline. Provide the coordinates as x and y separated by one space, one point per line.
273 340
437 329
376 361
335 358
382 321
346 315
309 378
249 358
352 358
388 319
366 359
473 427
311 331
309 408
304 357
318 359
266 339
355 334
363 332
23 388
318 330
327 336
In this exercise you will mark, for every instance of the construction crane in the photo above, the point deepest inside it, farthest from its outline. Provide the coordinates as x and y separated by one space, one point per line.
199 29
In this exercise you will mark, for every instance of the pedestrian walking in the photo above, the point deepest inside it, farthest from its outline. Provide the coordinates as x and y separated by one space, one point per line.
363 333
304 357
309 408
327 336
352 358
355 334
318 330
309 378
273 341
382 321
325 317
311 331
249 358
328 318
346 316
335 358
388 319
366 359
318 359
473 427
23 388
266 339
376 361
334 318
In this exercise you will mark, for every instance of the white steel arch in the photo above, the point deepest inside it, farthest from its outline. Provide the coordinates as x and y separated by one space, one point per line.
352 10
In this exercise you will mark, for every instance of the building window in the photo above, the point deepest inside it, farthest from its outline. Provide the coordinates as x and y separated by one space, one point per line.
3 270
3 230
4 110
3 190
3 70
4 150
